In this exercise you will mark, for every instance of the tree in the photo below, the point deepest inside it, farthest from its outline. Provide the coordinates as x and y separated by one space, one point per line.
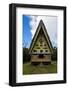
26 56
54 55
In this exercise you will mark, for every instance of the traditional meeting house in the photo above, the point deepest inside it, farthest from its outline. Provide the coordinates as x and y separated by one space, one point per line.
41 47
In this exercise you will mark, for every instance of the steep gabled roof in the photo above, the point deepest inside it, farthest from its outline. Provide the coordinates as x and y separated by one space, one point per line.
41 25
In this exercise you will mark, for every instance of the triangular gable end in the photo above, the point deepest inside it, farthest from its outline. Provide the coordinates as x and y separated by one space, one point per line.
41 25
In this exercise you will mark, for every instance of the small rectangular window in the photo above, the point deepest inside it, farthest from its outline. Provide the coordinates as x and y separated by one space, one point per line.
41 45
35 50
36 44
44 44
46 50
41 50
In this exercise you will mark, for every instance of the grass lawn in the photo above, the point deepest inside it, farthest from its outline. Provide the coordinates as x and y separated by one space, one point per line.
39 69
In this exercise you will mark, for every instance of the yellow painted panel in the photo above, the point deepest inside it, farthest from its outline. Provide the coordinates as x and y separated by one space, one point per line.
41 45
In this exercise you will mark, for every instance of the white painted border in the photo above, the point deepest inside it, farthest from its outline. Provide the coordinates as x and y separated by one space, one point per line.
20 78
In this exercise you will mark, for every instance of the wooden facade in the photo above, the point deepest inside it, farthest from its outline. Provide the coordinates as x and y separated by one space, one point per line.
41 47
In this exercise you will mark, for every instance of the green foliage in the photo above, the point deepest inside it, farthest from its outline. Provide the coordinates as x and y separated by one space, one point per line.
26 56
54 55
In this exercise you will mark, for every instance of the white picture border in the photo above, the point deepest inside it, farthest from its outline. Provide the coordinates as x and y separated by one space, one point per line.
20 78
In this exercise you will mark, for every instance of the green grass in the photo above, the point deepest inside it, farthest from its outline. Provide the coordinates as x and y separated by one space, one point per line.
39 69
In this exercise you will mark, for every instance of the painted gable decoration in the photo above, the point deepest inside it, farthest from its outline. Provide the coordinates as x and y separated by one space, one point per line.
41 44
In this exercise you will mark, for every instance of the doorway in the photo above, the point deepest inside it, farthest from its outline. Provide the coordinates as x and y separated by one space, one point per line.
41 56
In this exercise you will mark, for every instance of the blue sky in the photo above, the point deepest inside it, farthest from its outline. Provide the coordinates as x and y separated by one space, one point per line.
26 31
30 24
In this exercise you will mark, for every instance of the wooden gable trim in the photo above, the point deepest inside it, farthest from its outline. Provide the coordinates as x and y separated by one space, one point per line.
48 39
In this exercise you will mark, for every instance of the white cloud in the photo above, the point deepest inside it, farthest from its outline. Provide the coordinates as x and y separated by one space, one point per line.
50 23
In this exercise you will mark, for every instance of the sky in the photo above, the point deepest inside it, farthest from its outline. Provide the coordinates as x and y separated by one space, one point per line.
30 24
